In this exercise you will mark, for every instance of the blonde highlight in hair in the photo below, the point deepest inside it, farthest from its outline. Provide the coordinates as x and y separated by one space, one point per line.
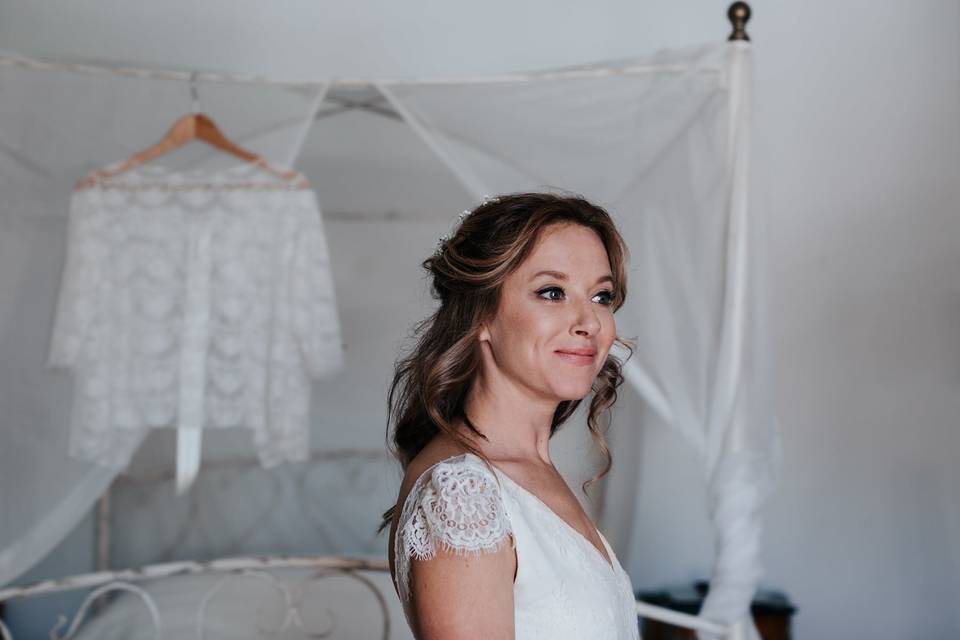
431 383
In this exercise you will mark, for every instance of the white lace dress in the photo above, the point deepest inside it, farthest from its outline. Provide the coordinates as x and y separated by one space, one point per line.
199 299
564 589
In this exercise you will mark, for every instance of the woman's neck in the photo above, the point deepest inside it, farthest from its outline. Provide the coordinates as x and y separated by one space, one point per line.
515 431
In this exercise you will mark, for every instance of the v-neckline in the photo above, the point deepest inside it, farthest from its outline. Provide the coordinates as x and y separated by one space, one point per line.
569 526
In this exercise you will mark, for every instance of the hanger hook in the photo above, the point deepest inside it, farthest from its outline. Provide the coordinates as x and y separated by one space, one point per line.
193 92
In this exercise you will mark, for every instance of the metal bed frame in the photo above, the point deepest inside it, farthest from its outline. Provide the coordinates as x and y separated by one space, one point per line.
104 581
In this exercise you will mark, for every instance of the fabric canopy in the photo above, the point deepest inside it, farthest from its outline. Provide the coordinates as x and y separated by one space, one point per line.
660 141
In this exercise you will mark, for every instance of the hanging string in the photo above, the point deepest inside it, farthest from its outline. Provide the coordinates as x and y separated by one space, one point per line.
600 69
195 99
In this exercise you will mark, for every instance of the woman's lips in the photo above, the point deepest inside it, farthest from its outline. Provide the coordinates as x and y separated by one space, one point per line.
575 358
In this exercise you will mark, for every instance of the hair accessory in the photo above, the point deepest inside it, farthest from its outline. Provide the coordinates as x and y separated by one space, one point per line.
442 240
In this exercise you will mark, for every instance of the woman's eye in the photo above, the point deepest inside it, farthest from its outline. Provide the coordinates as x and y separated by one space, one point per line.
608 297
548 290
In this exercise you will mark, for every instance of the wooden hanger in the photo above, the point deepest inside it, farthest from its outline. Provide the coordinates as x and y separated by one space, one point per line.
195 126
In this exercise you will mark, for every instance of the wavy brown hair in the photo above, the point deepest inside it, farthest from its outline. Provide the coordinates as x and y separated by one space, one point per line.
430 385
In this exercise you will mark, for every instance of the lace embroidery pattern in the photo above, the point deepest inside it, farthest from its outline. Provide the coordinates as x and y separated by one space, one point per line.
459 509
216 305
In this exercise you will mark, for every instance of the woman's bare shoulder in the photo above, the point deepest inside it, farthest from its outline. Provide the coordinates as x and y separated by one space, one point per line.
440 448
437 450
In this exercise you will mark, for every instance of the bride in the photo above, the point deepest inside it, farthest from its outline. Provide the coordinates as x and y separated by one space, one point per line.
486 538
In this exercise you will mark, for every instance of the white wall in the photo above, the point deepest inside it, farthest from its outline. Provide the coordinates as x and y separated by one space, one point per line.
856 158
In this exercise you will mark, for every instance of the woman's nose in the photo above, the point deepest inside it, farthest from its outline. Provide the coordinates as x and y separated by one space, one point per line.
587 321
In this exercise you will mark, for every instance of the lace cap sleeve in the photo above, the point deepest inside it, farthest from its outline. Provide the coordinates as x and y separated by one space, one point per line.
458 507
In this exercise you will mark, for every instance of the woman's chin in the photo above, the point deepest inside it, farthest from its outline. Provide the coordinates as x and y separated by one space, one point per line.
574 392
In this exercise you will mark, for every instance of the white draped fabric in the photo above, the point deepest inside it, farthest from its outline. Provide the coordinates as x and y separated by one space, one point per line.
55 127
662 142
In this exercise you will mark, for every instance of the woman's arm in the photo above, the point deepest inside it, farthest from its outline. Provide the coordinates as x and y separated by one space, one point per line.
460 596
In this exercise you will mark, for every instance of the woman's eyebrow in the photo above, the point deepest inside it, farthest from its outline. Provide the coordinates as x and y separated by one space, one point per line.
559 275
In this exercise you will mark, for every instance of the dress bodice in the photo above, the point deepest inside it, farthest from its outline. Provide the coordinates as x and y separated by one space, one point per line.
564 587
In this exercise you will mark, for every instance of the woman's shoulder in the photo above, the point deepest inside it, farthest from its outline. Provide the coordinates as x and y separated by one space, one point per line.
433 454
453 504
447 479
442 454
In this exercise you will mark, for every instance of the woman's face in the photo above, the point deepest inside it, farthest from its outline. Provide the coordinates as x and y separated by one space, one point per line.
543 317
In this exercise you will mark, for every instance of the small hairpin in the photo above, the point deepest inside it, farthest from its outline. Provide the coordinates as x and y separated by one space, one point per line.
442 240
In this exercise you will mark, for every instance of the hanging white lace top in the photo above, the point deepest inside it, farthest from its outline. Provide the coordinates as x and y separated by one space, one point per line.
200 299
564 589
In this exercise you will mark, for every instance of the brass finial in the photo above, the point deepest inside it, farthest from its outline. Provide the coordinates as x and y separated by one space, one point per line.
739 13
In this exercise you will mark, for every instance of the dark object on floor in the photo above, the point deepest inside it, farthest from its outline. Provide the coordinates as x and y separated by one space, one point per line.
771 612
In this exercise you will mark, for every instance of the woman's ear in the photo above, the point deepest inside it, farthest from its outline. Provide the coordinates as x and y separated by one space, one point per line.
484 334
